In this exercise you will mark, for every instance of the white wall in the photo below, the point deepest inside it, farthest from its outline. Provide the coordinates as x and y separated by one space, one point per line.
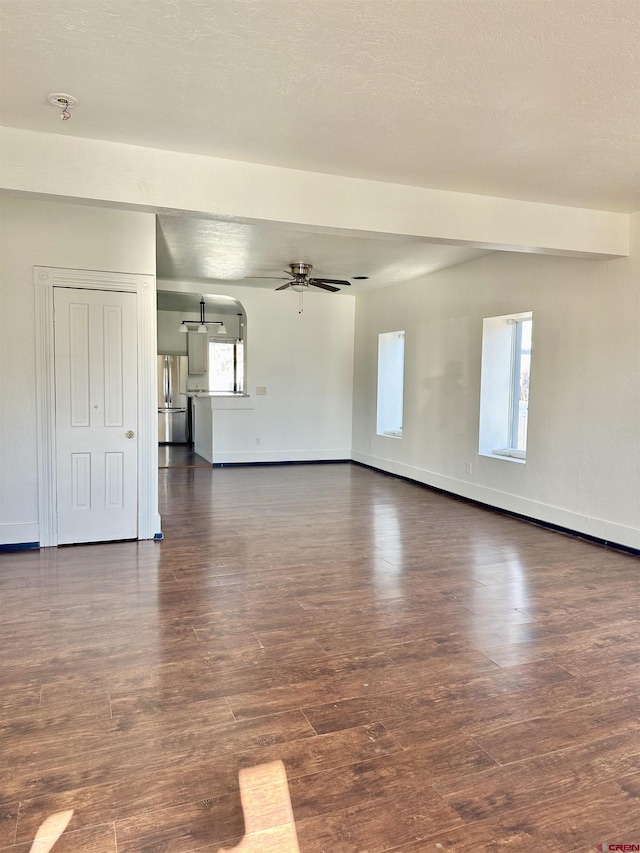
47 234
305 361
583 450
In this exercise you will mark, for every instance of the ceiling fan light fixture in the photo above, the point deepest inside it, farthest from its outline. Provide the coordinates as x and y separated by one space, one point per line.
301 282
300 269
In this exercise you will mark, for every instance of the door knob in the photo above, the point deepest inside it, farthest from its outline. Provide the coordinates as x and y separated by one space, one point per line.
130 433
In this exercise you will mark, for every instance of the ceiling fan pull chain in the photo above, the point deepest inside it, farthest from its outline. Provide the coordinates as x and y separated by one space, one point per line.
300 306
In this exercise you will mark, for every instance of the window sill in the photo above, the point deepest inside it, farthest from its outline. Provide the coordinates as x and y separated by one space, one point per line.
507 455
392 433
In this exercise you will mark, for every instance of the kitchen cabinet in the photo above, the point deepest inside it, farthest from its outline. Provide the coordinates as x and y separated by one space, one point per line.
198 352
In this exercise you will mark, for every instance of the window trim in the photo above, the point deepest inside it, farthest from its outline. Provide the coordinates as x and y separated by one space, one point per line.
499 398
238 376
391 430
516 370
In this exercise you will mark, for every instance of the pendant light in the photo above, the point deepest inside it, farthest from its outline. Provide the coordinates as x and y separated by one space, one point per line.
202 323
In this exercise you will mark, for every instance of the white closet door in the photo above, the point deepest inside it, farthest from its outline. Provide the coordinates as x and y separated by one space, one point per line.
96 415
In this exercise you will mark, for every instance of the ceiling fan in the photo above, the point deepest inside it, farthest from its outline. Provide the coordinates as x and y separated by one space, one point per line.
299 280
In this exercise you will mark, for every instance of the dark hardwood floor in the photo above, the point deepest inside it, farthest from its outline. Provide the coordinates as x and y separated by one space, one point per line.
180 456
433 675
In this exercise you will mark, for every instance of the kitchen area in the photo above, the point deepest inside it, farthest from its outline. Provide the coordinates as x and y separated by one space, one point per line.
201 374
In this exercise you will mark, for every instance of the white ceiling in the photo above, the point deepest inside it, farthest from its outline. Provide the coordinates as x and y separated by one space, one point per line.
189 303
529 99
204 249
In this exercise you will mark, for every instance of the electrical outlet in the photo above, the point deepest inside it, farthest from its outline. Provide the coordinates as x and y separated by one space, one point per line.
261 390
257 441
468 468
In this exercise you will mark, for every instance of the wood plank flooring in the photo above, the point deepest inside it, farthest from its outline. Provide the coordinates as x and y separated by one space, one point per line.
434 676
180 456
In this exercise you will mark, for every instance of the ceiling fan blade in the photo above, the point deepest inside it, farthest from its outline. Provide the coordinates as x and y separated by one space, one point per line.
333 281
283 286
274 277
317 283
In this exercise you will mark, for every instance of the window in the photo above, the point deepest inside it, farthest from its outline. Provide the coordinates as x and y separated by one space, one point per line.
390 383
504 390
226 367
520 383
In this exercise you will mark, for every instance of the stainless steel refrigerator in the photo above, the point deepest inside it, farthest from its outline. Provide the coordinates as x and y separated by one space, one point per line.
173 403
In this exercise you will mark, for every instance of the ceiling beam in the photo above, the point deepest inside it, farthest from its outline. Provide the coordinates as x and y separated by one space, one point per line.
109 173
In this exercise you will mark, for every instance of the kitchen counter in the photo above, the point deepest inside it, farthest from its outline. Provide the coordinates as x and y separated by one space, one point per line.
196 393
212 428
216 400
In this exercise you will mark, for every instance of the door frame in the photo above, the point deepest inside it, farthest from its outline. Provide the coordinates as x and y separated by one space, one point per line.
144 286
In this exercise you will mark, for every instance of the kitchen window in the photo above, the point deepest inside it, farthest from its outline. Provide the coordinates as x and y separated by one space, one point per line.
226 367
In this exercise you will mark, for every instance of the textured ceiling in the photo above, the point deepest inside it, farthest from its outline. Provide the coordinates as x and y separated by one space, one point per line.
189 303
532 99
202 250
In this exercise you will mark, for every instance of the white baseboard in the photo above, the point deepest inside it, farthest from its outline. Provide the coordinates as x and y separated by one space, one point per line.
19 534
251 457
157 529
22 534
609 531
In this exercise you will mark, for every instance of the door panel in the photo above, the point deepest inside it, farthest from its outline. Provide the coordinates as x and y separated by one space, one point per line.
96 410
112 358
81 480
79 364
114 480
